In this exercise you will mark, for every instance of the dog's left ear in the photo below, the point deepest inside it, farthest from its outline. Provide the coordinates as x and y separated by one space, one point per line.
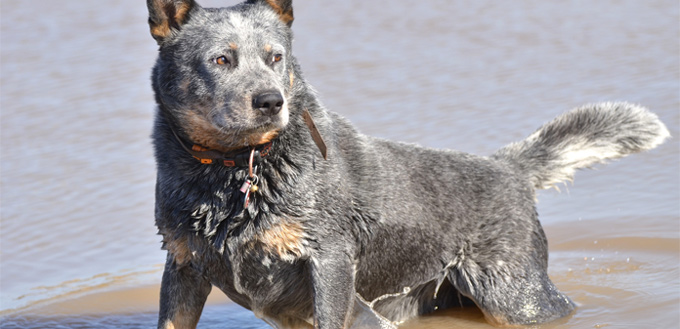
283 7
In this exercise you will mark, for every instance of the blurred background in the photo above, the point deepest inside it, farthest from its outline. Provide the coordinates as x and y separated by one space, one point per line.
78 245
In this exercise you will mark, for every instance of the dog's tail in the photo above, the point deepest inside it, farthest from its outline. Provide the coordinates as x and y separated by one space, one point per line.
583 137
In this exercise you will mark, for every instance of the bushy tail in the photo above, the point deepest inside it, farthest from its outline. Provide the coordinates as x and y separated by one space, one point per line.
583 137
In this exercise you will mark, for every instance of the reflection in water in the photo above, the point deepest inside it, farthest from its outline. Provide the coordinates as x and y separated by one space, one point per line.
78 245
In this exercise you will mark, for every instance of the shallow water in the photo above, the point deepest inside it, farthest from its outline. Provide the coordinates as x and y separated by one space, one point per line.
77 243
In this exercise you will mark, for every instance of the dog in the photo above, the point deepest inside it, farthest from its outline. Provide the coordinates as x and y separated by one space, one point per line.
293 214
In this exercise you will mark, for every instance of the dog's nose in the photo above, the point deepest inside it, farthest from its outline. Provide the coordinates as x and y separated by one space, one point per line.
269 102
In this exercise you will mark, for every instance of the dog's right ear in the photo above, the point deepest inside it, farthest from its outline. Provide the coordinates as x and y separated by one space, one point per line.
167 16
282 7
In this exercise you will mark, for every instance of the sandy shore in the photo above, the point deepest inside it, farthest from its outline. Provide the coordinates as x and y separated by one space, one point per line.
129 300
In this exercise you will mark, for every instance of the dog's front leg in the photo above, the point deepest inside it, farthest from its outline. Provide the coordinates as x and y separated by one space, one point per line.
333 282
183 294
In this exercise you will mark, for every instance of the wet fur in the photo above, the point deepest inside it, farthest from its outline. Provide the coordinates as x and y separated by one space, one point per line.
378 233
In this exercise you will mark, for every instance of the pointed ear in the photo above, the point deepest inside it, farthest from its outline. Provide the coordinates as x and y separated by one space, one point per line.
166 16
284 8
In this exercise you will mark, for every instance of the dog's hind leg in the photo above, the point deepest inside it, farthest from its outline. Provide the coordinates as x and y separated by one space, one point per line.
523 297
183 294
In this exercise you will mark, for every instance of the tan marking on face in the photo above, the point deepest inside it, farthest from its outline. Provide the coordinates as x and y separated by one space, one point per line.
292 78
264 138
267 48
233 46
284 239
203 133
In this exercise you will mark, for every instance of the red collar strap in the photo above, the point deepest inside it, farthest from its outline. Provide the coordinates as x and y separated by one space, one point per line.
238 158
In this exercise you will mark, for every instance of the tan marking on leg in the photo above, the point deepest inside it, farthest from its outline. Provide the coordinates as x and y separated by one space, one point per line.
182 320
179 249
289 322
499 320
168 325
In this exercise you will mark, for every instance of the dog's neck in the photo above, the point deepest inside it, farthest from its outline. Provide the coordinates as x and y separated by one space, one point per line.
241 158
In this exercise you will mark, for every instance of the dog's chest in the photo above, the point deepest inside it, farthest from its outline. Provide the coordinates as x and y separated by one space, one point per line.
278 247
283 240
270 268
258 258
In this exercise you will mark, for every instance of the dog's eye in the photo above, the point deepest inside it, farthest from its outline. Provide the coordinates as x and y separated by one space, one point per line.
277 58
222 60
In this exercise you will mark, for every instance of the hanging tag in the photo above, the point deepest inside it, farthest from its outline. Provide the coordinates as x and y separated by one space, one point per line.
246 186
246 199
250 185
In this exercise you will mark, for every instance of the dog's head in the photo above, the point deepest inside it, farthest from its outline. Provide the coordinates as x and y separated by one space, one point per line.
225 75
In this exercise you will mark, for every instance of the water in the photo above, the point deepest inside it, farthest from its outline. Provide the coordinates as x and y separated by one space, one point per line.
78 248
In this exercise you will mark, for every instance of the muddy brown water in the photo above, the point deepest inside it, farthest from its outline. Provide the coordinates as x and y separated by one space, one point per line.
78 244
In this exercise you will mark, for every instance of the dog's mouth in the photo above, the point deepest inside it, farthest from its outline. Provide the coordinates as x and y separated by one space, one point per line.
216 135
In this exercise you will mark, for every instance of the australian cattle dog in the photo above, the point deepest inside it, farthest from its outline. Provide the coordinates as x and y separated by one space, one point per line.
293 214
